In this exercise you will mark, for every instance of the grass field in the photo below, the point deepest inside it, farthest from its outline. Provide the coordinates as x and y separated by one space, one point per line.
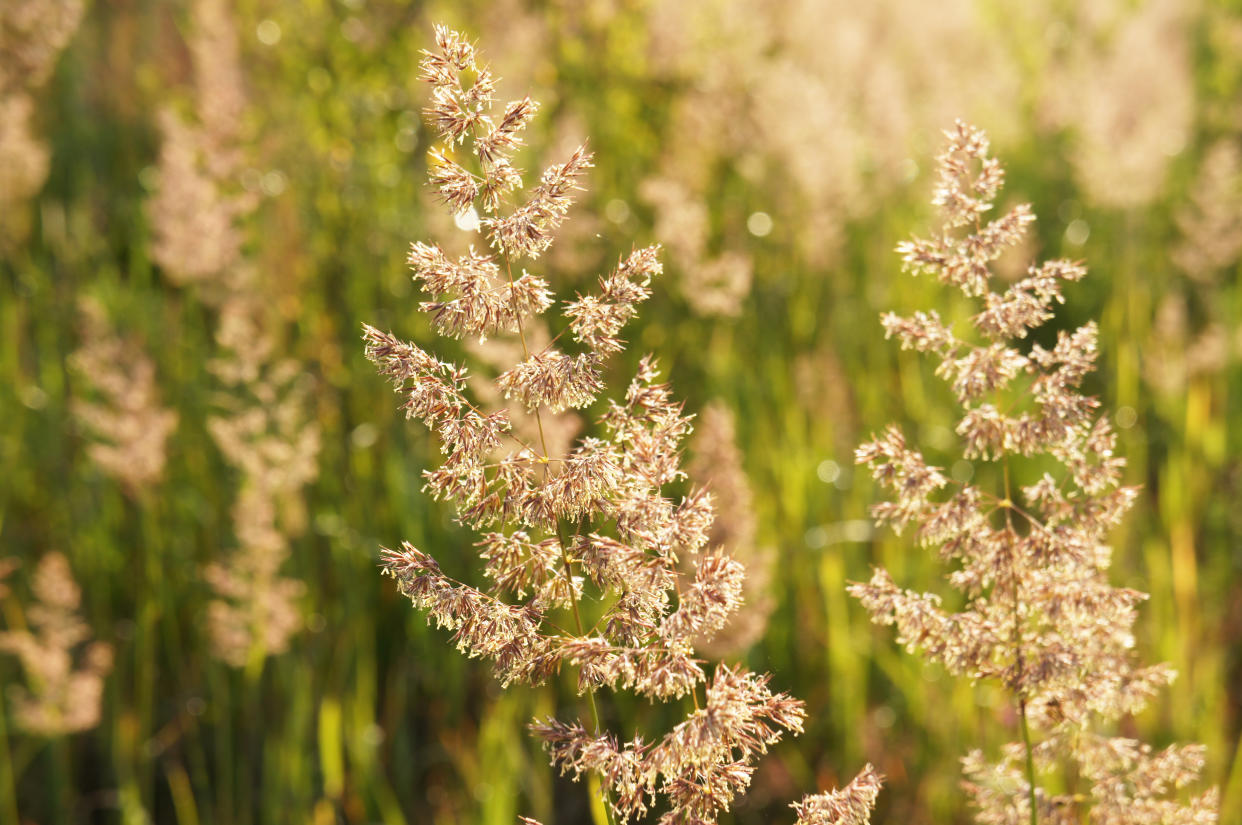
779 152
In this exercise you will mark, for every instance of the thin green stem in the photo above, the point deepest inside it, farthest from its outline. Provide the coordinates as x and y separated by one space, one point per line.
573 600
1007 505
146 643
1030 759
564 542
569 576
62 781
8 775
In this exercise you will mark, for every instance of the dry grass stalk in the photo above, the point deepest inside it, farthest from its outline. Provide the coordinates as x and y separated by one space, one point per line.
827 117
594 522
712 286
199 206
128 425
59 698
32 35
718 463
1135 108
1211 221
264 429
1179 348
1040 616
1176 354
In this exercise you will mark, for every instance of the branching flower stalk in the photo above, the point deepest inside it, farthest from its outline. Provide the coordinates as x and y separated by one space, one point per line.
128 425
263 426
62 698
32 35
1040 616
718 462
590 524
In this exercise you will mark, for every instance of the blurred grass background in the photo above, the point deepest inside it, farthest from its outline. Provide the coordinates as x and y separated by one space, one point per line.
801 136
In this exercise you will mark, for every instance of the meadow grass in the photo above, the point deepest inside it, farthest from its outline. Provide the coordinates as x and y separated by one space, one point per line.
371 717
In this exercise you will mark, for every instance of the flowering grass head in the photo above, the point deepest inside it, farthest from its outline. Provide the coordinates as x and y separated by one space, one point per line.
595 521
1031 559
62 697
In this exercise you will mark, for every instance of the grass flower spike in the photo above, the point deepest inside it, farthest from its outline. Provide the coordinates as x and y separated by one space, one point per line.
128 425
62 698
264 423
1030 555
593 525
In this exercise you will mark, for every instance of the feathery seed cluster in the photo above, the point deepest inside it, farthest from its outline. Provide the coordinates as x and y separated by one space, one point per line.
264 427
32 35
129 425
595 518
718 463
1032 562
61 698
